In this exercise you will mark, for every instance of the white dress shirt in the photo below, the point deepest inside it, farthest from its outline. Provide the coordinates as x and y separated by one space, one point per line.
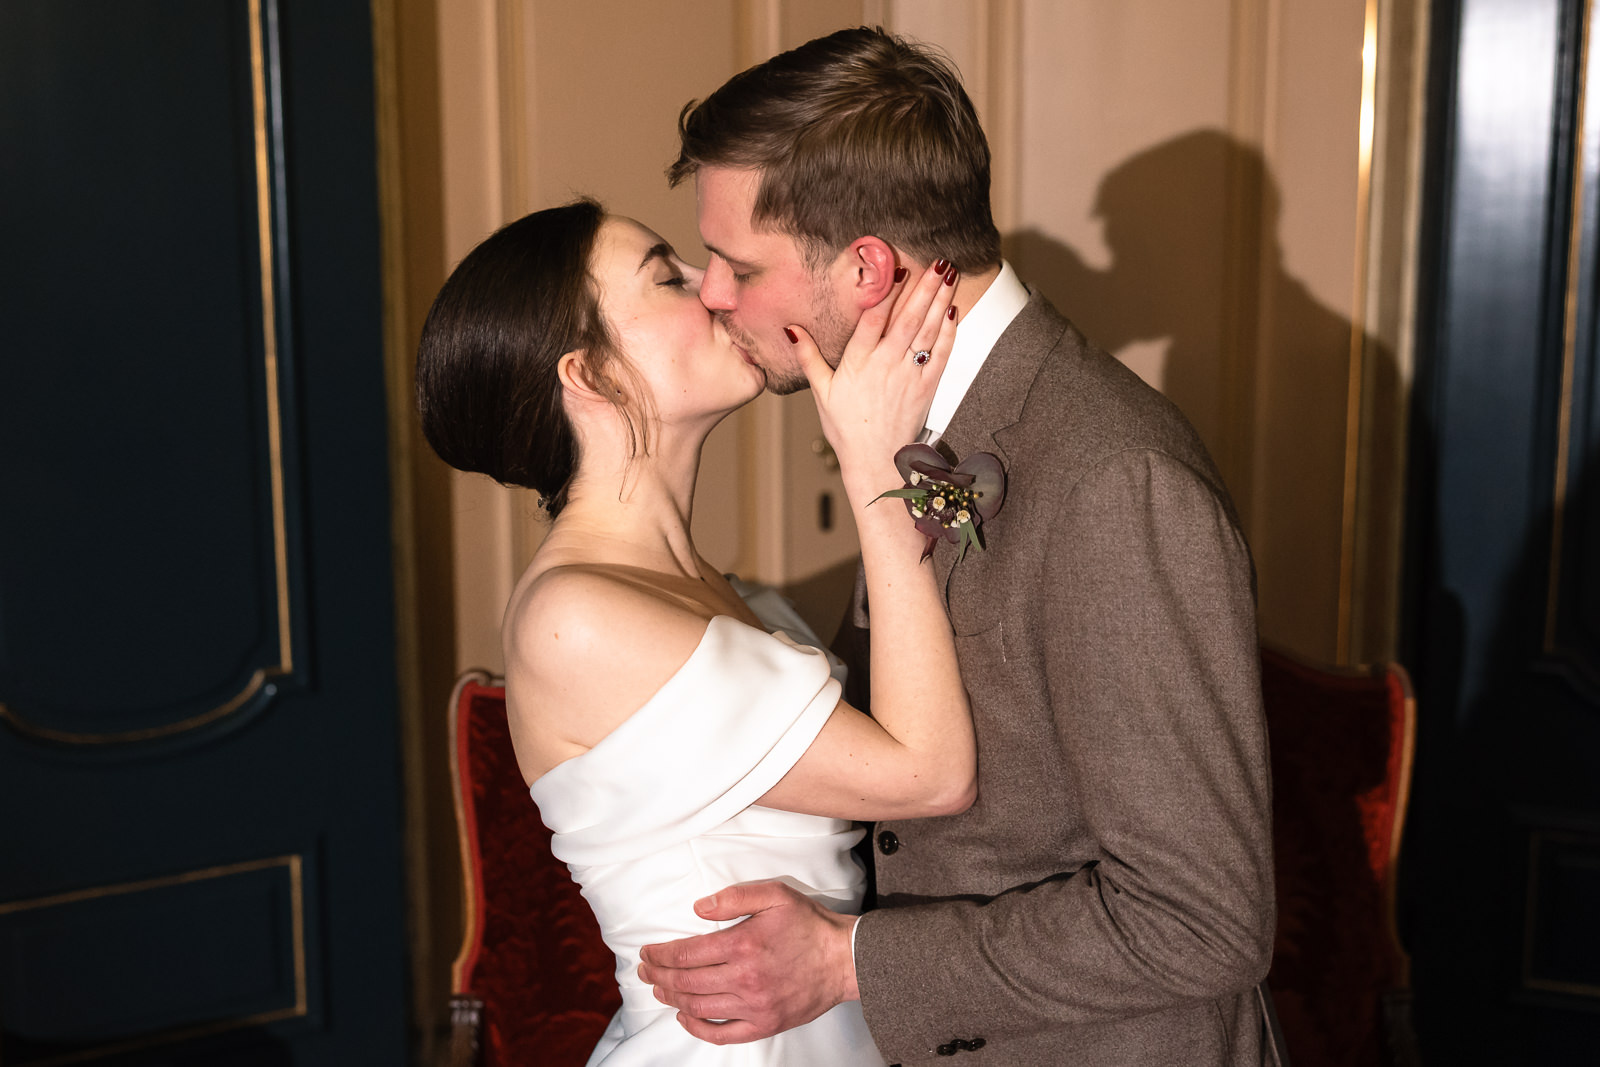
979 329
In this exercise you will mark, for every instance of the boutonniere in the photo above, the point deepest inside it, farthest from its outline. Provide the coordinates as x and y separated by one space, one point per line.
949 502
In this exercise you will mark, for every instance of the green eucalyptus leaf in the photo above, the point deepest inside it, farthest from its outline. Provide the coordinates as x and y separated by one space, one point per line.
903 494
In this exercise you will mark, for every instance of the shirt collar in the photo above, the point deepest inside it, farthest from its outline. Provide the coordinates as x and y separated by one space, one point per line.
980 328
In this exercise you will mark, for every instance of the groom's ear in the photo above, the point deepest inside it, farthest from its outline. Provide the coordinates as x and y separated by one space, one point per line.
872 263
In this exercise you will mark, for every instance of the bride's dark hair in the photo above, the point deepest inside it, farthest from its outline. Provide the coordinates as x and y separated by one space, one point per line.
486 365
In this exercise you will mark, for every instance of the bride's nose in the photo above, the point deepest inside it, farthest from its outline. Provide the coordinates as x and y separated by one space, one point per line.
693 277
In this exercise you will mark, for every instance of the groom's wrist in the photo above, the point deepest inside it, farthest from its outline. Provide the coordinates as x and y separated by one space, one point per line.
853 991
844 960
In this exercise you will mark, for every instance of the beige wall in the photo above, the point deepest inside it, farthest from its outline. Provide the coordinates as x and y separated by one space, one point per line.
1191 182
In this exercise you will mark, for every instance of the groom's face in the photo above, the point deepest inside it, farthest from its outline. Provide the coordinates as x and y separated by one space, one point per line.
757 281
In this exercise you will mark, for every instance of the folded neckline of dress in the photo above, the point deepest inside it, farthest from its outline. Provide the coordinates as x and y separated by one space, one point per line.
638 718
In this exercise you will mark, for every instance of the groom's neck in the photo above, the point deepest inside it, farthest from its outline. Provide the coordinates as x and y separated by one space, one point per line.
971 287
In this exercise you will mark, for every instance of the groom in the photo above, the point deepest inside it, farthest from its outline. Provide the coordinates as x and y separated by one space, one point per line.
1108 899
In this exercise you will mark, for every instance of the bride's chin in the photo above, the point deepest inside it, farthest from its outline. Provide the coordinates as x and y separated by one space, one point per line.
739 400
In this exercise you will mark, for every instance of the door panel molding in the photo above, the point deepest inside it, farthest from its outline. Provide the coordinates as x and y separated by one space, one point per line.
93 911
46 710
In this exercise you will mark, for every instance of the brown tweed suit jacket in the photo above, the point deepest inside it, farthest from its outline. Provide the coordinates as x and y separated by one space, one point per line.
1108 900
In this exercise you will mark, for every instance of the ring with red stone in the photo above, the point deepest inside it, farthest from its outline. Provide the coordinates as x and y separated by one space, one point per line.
921 356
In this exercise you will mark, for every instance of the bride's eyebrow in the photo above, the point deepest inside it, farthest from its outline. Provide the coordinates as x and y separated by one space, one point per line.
659 250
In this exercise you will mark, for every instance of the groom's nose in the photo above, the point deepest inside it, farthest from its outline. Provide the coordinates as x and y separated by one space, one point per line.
717 286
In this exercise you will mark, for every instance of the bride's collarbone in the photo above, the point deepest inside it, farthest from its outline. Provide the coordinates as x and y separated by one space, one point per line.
706 595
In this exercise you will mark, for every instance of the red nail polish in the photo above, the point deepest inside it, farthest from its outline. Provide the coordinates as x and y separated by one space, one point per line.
940 266
951 314
791 336
950 276
899 275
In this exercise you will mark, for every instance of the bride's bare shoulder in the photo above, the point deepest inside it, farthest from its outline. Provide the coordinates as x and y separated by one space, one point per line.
586 646
580 609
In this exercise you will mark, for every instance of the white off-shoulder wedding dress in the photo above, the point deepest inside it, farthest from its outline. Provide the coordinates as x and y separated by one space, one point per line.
662 812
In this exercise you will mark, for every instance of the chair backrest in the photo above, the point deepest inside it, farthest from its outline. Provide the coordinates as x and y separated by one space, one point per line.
1342 746
532 951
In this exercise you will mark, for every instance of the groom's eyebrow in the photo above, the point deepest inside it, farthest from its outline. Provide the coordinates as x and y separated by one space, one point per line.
735 260
659 250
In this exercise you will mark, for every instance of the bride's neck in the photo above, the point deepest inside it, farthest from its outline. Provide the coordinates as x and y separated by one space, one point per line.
637 509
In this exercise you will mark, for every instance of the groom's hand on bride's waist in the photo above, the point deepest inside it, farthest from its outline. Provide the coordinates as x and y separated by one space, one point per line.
786 964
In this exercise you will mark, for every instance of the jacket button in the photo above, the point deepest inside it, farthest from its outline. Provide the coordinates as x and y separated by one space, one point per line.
889 844
946 1050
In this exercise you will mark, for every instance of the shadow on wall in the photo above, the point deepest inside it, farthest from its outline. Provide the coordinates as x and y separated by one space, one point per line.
1256 362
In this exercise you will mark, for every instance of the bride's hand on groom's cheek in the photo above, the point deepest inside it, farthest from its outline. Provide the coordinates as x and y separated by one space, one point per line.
877 399
784 965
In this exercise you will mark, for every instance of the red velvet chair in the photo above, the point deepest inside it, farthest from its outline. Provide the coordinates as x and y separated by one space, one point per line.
533 983
1342 745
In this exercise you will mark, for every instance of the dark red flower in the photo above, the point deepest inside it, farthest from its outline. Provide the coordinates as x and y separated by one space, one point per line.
949 502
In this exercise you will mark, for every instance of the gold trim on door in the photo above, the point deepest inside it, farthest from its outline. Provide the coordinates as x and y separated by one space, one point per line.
1358 338
269 333
295 866
280 549
1569 340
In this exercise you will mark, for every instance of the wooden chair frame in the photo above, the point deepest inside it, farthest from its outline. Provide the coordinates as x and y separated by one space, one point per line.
466 1009
1397 1035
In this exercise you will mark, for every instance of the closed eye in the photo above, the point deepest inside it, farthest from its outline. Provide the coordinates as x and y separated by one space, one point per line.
739 277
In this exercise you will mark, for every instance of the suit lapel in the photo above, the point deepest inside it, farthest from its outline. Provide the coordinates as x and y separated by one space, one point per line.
994 401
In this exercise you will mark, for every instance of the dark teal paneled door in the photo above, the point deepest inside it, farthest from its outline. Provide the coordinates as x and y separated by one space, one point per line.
1501 887
199 776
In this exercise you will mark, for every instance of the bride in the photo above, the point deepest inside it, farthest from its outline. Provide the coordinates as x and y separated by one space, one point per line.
672 743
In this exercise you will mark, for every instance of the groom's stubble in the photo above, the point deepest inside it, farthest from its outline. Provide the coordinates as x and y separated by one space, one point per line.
829 327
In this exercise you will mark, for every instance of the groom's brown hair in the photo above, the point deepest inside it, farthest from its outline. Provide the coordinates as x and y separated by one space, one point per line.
856 133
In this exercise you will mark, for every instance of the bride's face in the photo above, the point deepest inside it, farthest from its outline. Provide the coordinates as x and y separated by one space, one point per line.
651 300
